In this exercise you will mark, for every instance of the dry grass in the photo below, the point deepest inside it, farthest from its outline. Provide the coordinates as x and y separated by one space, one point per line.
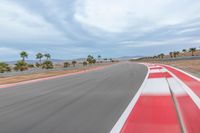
181 54
167 56
16 79
189 64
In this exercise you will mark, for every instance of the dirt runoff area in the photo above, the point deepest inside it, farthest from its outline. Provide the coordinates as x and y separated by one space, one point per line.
27 77
191 66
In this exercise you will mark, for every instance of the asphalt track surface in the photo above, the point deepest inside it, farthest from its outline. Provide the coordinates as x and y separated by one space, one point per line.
90 102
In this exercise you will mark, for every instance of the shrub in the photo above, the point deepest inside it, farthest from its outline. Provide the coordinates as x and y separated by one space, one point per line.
85 63
66 64
74 63
21 66
31 65
91 59
4 67
47 65
38 64
94 61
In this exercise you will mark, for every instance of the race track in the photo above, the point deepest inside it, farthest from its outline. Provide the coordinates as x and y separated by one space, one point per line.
90 102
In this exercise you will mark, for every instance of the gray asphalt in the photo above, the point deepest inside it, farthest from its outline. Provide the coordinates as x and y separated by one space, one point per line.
91 102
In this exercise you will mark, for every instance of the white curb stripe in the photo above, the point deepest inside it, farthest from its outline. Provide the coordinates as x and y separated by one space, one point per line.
154 71
176 87
156 87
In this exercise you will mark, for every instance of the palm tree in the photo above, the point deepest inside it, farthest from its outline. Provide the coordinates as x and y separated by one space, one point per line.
90 59
23 55
176 53
66 64
162 55
48 56
85 63
171 54
94 61
99 57
39 56
74 63
192 50
154 57
184 50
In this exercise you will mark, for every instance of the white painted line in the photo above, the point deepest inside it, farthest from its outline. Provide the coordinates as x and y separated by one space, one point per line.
158 70
118 126
156 86
163 70
154 71
176 87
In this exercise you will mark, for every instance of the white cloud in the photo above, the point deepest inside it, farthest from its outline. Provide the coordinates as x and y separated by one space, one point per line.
140 15
17 23
71 28
9 54
146 43
195 29
12 51
8 51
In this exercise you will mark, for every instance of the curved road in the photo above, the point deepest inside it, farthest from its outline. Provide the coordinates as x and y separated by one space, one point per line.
91 102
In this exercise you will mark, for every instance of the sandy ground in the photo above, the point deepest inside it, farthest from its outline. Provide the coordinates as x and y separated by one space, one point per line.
197 53
26 77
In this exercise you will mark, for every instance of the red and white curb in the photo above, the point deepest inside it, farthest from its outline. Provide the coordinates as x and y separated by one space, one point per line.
168 101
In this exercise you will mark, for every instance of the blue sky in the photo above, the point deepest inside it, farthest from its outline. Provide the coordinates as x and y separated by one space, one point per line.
75 28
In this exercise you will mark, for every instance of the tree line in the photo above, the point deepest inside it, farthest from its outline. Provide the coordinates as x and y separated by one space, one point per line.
174 54
46 63
89 61
22 65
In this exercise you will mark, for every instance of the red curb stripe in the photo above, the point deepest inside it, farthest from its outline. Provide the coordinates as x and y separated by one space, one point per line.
192 83
160 75
154 68
188 110
153 114
190 113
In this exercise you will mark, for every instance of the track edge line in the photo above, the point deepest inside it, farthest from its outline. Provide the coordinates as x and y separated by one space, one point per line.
121 121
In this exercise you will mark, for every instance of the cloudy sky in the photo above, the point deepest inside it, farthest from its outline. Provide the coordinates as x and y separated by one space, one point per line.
75 28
